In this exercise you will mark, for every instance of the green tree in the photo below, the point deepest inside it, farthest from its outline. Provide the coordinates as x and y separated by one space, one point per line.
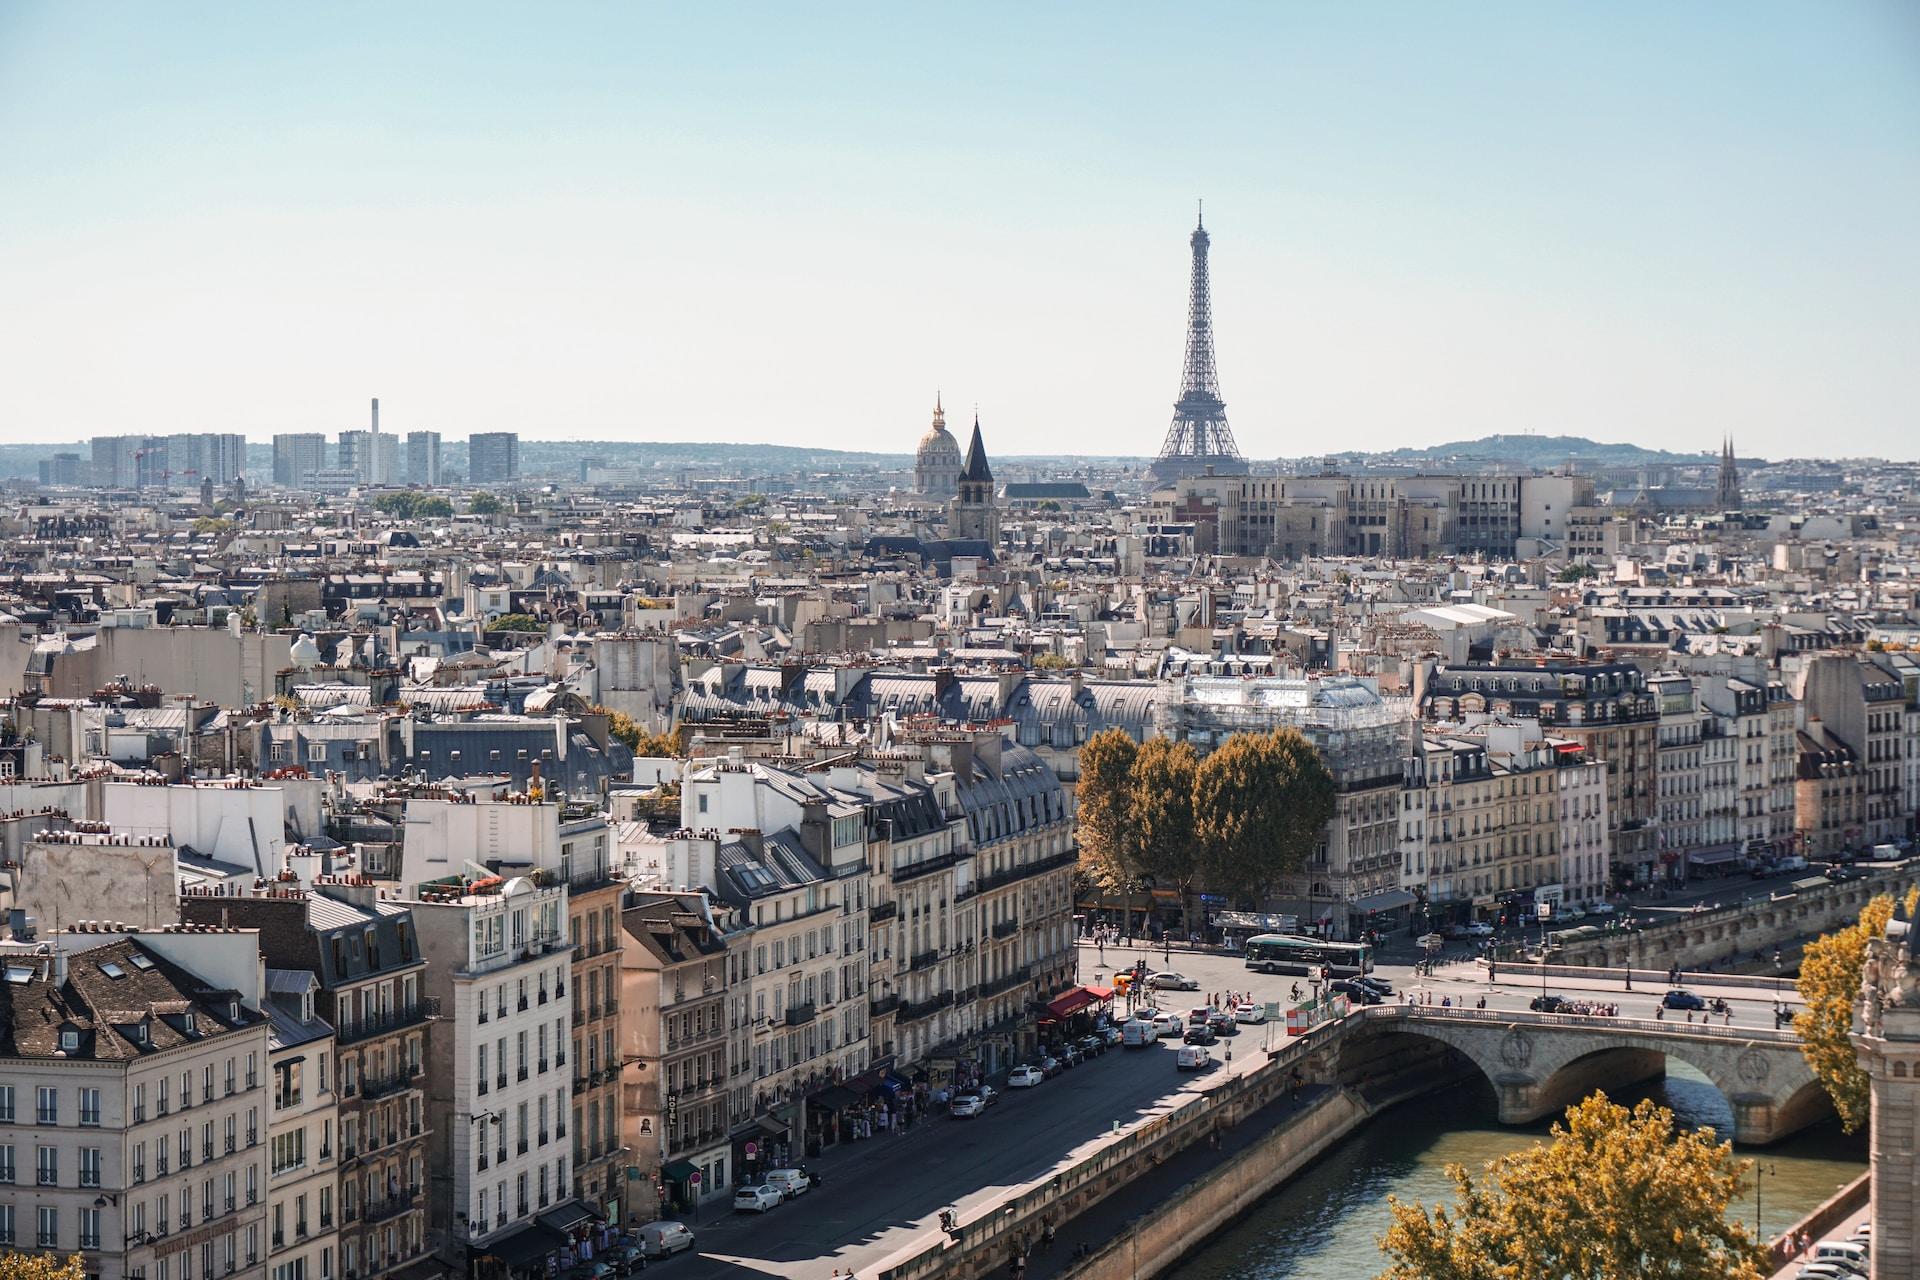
484 504
1160 816
211 525
1103 802
1052 662
1829 982
623 728
1259 804
1613 1195
516 622
41 1266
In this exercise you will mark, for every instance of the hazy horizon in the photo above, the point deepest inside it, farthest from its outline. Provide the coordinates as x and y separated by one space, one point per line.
1641 224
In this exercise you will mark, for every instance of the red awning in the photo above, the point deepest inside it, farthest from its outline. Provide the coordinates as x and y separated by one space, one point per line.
1099 993
1065 1006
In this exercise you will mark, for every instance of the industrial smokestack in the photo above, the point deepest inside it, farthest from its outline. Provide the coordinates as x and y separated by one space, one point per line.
376 415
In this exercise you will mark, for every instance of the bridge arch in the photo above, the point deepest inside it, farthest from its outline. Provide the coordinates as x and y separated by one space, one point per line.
1539 1064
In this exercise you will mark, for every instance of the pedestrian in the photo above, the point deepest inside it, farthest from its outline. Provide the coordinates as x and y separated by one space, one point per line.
1629 979
1729 1016
1046 1233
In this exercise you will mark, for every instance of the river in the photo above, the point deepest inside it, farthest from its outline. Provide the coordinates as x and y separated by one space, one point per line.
1325 1224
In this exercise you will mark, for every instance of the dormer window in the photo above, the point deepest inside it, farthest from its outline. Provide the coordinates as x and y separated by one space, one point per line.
233 1011
192 1028
69 1040
140 1033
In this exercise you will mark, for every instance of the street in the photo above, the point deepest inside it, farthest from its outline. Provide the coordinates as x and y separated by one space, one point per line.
880 1195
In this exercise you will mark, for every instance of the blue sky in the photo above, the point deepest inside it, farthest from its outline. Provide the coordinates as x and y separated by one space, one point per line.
791 224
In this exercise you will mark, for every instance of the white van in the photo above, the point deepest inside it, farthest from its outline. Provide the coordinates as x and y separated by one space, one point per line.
1138 1035
1193 1057
1848 1253
788 1182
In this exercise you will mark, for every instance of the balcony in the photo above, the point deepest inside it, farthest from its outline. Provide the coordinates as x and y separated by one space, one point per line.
883 1006
385 1087
925 960
411 1016
880 912
1013 875
1005 929
902 875
799 1015
392 1206
1006 982
911 1012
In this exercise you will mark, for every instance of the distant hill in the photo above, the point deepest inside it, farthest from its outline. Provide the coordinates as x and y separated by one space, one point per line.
1544 451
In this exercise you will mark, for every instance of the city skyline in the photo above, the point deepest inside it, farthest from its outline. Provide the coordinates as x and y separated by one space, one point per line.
1648 226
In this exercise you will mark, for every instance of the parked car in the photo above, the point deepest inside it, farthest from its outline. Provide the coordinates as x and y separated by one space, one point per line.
1050 1066
757 1197
1168 980
1250 1014
1109 1033
1193 1057
1092 1046
1827 1269
1221 1022
1681 998
789 1182
1839 874
1200 1035
1848 1253
1355 992
1600 908
1025 1077
966 1105
625 1258
988 1094
1480 929
1069 1054
1169 1024
658 1239
1546 1004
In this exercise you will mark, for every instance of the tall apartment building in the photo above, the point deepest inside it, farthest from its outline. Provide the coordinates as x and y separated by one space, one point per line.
198 457
64 469
522 834
423 458
297 457
353 451
676 984
1605 707
1848 701
499 1086
493 457
133 1118
363 953
303 1136
129 462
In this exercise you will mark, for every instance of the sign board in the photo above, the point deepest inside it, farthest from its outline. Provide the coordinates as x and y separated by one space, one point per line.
751 1149
693 1179
1273 1010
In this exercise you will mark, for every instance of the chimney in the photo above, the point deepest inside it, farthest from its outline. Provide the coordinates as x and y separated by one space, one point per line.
376 415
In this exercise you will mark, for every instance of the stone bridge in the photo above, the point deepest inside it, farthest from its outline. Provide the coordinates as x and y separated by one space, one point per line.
1540 1063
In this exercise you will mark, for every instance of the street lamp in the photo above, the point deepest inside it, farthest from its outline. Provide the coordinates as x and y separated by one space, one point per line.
1760 1173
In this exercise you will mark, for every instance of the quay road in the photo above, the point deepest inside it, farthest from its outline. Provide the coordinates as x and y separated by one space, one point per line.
881 1195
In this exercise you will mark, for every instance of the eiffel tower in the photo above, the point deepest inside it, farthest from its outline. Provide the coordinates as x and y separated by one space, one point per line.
1199 436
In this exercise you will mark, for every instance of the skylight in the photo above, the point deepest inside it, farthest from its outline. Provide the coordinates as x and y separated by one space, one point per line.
139 961
19 973
112 969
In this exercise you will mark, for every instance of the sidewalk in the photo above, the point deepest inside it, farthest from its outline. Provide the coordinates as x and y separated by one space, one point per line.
1113 1215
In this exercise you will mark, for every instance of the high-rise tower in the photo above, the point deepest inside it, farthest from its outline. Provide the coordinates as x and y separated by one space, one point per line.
1199 436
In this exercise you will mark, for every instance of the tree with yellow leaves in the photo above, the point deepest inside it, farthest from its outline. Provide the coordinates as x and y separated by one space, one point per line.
41 1266
1613 1195
1829 982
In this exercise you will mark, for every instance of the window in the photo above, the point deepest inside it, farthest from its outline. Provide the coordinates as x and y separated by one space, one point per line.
160 1098
49 1105
6 1104
89 1228
6 1162
289 1151
49 1234
89 1166
47 1166
6 1224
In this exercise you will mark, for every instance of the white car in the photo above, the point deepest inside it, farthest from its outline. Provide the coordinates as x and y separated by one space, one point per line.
1249 1015
1193 1057
1480 929
967 1104
1168 980
757 1198
1600 909
1024 1077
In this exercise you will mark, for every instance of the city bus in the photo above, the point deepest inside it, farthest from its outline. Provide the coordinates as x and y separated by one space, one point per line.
1284 953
